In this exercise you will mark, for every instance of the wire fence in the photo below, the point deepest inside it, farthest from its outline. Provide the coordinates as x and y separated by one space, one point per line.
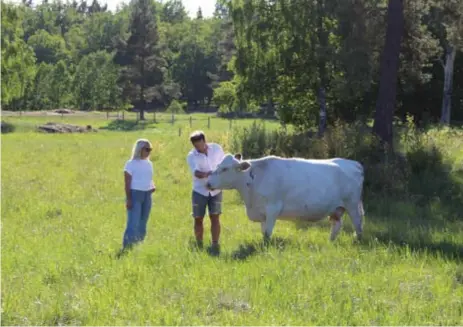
157 117
126 121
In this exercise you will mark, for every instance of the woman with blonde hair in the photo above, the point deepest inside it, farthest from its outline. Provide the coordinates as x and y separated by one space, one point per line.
139 186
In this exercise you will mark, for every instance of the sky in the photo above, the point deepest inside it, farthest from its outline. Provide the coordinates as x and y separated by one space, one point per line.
191 6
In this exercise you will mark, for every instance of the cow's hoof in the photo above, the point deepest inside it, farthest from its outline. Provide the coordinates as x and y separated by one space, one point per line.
267 240
357 238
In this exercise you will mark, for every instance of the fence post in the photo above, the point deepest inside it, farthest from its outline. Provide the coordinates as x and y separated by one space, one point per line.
179 131
173 118
209 122
191 121
107 114
123 114
230 124
154 115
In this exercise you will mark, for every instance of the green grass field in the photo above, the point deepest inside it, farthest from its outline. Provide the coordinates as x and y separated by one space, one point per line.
63 217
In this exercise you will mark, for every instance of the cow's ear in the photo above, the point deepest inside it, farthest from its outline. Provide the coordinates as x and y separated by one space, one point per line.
244 165
238 156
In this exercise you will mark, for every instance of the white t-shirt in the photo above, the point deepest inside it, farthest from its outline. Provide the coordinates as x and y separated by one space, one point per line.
141 171
204 163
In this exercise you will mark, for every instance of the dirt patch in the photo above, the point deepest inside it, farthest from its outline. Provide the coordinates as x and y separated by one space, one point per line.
63 111
64 128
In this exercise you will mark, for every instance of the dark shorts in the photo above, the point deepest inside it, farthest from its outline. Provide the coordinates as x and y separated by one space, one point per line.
200 202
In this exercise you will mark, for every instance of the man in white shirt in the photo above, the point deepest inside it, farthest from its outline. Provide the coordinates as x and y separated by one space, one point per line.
202 160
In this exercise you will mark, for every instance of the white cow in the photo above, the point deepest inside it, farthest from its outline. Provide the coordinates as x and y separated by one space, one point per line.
294 188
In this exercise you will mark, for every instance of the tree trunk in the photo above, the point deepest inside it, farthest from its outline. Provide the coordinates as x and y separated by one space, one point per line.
270 108
142 102
386 100
322 100
448 79
323 41
142 90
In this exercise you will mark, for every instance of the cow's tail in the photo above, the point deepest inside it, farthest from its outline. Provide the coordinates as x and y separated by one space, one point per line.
361 169
362 172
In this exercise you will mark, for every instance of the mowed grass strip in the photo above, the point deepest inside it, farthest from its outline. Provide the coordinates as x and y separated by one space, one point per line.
63 217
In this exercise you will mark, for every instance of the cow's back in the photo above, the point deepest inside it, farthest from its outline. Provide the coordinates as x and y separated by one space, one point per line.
288 177
309 187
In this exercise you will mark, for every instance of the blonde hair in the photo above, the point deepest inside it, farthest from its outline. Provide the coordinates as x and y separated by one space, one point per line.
138 146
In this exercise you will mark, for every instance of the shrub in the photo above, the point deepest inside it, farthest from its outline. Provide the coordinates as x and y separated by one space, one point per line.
176 107
7 127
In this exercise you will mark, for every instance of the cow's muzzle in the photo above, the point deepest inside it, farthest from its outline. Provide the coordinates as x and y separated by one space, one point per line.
208 185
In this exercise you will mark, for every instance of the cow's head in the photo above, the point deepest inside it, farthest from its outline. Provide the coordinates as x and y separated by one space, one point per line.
228 173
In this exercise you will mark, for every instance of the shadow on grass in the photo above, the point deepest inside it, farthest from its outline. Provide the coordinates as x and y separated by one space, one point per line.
445 249
417 228
128 125
249 249
427 216
422 211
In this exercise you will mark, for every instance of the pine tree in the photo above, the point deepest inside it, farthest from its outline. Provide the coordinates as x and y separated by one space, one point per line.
143 67
199 13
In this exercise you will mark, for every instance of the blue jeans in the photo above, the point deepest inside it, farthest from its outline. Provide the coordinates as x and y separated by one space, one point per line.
137 217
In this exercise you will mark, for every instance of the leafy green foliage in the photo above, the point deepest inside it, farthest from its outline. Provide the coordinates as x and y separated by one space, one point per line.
225 96
95 83
18 60
175 107
278 55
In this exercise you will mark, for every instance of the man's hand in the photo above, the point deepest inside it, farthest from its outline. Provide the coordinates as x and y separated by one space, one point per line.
200 174
153 189
128 204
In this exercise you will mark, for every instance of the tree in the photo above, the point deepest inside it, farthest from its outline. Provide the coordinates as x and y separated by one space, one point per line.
143 67
95 83
386 102
447 19
226 40
199 13
195 60
173 12
60 84
41 92
225 96
18 60
48 48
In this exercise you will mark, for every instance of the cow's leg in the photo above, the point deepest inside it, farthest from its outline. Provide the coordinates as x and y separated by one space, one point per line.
262 227
272 211
356 213
336 222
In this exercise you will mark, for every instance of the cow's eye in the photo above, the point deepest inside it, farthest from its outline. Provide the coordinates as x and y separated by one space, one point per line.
224 169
